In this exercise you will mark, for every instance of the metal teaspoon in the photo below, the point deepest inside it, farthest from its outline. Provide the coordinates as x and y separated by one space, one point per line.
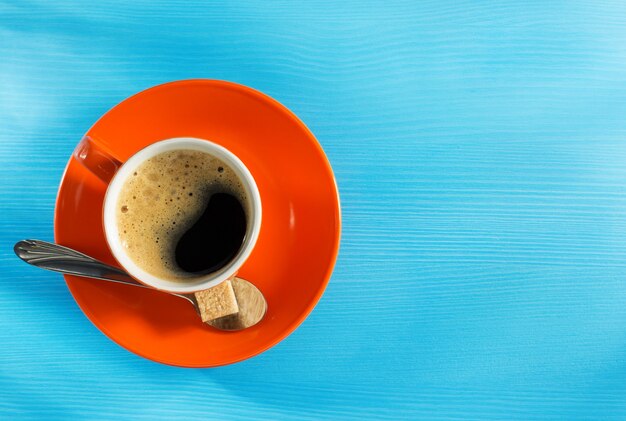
50 256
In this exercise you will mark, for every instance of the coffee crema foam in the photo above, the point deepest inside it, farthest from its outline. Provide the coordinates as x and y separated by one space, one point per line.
162 199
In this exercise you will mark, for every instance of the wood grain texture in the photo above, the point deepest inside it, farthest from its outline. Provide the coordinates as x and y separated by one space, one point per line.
479 148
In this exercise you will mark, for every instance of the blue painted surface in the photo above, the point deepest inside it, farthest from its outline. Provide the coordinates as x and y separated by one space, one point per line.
479 148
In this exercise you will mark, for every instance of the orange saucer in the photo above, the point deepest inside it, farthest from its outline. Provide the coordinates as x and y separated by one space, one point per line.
296 250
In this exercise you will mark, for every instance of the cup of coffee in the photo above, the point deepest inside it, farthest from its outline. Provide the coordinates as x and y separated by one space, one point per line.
180 215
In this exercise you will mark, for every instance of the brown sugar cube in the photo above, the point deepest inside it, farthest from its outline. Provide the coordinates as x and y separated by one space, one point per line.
217 302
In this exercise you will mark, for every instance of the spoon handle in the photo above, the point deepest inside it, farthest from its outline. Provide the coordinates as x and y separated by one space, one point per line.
57 258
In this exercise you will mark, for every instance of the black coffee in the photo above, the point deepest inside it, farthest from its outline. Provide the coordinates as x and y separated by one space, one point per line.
182 214
215 238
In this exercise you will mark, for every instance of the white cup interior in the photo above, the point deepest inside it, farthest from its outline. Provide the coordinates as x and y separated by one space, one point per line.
194 283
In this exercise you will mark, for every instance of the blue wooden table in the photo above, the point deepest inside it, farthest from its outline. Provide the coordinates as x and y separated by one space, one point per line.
480 153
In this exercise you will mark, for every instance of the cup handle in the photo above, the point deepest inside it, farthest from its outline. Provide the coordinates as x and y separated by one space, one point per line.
96 158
